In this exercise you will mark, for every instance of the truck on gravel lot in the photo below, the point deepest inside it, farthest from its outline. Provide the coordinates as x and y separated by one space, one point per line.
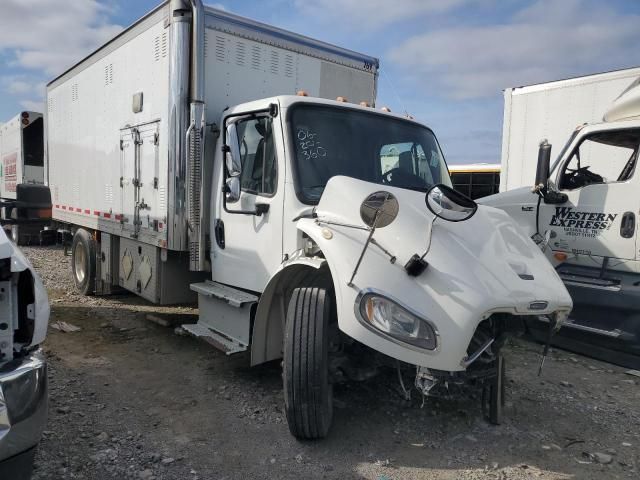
311 229
25 203
24 318
584 208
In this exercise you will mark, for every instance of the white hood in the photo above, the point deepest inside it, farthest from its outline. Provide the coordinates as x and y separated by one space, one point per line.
476 267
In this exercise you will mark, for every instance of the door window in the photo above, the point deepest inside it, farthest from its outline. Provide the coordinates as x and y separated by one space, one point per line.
257 153
604 157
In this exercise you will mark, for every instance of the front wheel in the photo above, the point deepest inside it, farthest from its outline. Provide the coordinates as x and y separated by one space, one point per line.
308 394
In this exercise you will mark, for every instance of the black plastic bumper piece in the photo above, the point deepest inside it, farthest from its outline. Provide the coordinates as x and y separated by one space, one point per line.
18 467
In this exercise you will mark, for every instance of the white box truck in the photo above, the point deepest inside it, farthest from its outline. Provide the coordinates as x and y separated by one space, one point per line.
552 110
181 158
24 200
583 210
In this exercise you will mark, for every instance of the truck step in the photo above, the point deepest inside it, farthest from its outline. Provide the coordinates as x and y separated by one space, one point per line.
571 323
219 341
234 297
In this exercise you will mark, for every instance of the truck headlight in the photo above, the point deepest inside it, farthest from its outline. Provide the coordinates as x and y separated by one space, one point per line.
396 321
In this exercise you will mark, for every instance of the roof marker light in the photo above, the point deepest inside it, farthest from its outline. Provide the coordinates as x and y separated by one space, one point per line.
342 99
302 93
386 109
365 104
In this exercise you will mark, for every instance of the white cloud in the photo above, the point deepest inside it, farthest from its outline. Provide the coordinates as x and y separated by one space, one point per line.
32 106
49 35
373 14
545 41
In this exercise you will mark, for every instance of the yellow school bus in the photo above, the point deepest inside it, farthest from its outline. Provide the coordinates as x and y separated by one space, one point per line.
476 180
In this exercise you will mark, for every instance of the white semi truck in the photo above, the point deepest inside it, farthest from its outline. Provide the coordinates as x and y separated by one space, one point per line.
552 110
181 160
25 206
583 210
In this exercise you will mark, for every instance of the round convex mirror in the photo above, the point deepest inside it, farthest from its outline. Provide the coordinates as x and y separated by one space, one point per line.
446 203
379 209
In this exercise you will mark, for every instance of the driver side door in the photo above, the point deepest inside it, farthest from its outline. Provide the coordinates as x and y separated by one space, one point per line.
599 218
247 247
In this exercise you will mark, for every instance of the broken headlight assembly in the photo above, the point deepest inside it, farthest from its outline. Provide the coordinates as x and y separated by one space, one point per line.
390 318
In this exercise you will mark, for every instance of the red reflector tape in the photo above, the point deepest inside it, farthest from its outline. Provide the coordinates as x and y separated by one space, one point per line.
87 211
95 212
107 215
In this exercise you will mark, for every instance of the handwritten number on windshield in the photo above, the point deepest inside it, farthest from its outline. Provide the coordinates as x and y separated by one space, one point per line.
310 145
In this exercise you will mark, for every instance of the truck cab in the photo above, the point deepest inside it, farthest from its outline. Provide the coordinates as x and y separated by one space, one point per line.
334 226
585 218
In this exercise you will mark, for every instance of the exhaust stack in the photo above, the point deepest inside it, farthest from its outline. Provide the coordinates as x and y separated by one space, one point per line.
187 117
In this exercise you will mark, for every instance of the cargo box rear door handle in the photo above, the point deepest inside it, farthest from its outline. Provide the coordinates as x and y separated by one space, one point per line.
628 225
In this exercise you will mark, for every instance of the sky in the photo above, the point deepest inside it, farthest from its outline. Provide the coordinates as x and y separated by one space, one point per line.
446 62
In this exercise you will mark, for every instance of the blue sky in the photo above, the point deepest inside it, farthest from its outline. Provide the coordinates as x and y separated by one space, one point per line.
446 62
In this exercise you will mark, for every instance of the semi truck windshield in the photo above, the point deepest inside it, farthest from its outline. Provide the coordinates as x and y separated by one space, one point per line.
331 141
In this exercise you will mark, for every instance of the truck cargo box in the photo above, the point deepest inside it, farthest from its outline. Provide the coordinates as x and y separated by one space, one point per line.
109 119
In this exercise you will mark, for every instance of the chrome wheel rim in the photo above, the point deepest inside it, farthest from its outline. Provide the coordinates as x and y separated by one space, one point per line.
79 262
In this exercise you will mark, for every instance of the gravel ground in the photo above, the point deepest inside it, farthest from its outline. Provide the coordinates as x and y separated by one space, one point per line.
132 399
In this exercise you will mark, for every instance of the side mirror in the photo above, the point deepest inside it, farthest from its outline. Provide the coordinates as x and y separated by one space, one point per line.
542 170
379 209
232 151
232 189
444 202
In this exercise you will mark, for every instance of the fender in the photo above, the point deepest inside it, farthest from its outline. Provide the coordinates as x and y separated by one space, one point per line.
268 325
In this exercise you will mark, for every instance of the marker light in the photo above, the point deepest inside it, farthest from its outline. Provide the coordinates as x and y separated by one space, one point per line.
25 121
302 93
25 114
386 109
391 319
364 104
560 256
342 99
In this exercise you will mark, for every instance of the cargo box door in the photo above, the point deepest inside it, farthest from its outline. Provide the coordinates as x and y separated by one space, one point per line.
128 179
148 208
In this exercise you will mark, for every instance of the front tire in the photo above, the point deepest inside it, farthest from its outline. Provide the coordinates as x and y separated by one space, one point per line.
83 262
308 393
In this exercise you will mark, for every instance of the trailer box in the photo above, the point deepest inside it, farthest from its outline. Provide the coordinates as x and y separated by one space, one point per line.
21 153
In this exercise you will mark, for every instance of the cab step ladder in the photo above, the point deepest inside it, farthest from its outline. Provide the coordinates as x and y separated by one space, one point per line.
225 316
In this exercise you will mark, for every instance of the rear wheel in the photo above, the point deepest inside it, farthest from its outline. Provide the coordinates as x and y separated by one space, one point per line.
308 393
83 262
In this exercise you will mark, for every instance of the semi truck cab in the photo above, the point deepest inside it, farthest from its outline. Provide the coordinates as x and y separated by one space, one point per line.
584 212
335 225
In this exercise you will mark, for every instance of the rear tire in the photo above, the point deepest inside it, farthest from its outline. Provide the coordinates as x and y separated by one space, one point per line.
83 262
308 393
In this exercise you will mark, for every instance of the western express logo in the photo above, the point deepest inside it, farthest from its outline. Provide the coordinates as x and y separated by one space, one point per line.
569 218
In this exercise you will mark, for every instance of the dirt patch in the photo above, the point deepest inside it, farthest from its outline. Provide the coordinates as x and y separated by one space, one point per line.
131 399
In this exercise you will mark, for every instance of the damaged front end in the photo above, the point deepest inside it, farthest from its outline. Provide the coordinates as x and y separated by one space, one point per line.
440 286
24 315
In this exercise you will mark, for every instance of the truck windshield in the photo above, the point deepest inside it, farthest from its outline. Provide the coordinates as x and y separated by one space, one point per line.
331 141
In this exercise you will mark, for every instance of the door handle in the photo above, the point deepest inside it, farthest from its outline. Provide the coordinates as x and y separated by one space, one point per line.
628 225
